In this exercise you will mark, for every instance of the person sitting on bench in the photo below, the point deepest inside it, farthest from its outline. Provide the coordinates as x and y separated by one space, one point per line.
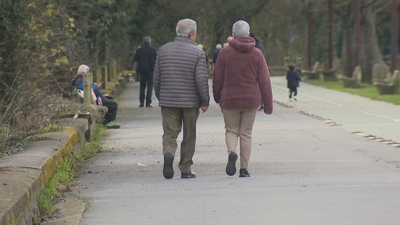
109 102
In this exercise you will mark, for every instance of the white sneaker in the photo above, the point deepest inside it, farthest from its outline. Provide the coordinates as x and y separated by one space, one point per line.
290 99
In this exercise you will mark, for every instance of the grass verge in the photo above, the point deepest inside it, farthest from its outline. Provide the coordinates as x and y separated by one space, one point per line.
369 91
61 179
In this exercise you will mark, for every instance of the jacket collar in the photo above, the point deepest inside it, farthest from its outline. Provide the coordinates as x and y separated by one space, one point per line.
185 39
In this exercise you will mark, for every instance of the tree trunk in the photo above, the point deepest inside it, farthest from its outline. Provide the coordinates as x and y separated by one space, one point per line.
348 44
370 45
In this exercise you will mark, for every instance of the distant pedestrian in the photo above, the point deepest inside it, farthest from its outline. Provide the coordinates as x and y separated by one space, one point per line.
227 41
241 78
201 47
144 60
293 80
181 86
260 46
216 52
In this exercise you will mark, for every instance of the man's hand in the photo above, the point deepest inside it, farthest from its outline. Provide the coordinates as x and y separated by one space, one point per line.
204 108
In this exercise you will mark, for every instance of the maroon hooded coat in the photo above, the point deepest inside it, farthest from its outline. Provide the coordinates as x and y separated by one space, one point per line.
240 75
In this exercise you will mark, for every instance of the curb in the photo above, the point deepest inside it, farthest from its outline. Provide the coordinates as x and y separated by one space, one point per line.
23 176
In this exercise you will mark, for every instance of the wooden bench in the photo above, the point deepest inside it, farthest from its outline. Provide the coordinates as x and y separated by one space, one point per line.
354 81
313 74
277 71
380 72
330 74
391 87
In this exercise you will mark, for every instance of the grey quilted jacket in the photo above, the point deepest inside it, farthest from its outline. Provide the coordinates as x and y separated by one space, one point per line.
180 75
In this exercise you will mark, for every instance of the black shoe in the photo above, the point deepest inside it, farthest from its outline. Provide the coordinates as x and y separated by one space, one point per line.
244 173
189 174
231 167
261 108
141 105
168 170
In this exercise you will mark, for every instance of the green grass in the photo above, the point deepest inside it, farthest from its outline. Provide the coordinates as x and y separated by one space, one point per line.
369 91
66 173
85 200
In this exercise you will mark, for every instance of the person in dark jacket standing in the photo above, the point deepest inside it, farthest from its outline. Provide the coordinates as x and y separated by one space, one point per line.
241 78
216 52
144 61
293 80
260 46
181 87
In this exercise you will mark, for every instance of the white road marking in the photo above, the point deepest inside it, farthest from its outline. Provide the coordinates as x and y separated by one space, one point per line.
382 116
310 96
371 125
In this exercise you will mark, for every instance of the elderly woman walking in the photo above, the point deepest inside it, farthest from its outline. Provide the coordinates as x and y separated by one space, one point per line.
240 79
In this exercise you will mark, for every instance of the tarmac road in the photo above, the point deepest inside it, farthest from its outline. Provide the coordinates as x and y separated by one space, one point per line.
304 169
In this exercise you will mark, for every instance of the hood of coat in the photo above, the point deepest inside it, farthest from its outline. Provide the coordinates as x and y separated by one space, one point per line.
243 44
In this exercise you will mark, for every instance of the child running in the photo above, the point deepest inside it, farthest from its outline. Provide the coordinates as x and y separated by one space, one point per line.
293 80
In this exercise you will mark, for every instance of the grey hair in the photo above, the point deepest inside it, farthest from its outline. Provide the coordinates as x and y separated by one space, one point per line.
83 69
185 27
241 29
147 39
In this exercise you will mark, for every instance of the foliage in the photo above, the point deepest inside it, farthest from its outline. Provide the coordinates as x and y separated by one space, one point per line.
41 45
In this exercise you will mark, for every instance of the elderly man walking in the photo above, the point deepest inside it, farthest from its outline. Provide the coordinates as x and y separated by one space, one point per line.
145 59
240 75
181 86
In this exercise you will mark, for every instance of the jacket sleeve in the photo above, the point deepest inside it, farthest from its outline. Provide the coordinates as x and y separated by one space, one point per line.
264 82
157 77
74 81
202 80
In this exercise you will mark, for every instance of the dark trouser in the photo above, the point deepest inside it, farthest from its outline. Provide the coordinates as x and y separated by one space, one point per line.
292 90
146 80
112 110
172 120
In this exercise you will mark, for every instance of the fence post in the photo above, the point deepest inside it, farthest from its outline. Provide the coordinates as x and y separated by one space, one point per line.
104 77
87 88
115 68
119 64
109 72
96 75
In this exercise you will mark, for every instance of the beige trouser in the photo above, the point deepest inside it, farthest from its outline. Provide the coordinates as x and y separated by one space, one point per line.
172 120
239 123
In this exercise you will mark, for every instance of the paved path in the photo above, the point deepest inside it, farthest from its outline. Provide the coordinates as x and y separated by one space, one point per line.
303 170
352 112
